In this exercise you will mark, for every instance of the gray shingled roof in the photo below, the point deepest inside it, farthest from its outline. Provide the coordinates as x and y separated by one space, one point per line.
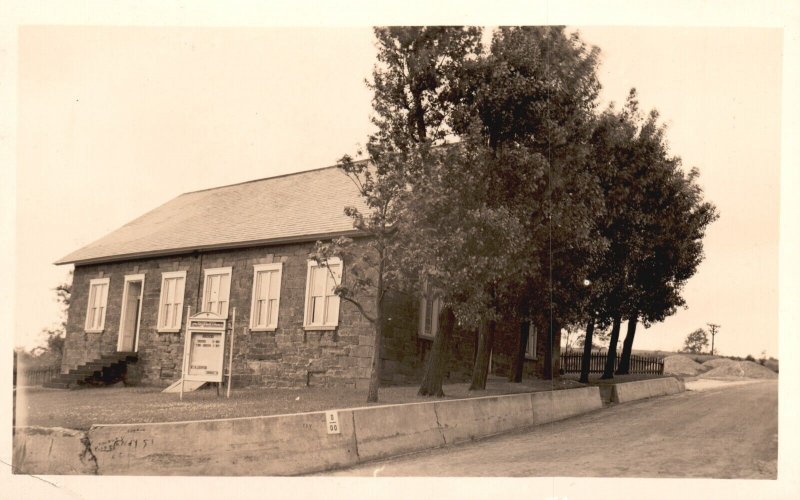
293 207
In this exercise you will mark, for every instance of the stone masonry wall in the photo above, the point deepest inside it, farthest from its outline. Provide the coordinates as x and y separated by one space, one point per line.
505 349
289 356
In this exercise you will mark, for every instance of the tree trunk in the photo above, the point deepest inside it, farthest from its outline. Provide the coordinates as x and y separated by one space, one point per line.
375 371
547 366
480 369
587 352
419 116
627 346
437 357
552 353
555 346
608 371
515 375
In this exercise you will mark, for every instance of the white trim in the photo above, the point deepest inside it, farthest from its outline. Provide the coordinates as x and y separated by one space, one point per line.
327 323
259 268
533 338
104 300
164 277
436 307
128 279
221 271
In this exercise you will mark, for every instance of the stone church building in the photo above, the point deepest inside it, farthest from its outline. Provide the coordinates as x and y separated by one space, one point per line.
246 246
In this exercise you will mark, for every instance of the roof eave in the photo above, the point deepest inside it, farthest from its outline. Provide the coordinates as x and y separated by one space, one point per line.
204 248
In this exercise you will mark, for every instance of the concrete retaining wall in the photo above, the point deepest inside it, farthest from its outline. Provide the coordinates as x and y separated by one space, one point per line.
288 444
383 431
268 446
642 389
467 419
558 405
52 450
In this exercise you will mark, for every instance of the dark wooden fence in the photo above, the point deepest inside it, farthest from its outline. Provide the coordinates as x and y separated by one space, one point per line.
571 363
37 376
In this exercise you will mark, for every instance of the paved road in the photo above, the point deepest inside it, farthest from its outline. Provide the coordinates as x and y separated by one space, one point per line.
728 432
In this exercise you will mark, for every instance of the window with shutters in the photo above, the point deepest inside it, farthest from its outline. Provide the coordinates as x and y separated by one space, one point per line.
216 290
530 348
322 304
98 298
170 310
266 297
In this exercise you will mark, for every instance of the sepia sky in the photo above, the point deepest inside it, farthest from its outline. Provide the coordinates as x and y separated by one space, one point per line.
114 121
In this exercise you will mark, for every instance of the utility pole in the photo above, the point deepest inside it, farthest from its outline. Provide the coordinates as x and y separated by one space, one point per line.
714 328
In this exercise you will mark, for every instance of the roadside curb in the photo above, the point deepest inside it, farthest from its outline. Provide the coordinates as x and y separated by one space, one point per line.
643 389
289 444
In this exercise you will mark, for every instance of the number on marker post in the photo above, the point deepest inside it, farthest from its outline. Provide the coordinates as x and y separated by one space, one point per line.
332 422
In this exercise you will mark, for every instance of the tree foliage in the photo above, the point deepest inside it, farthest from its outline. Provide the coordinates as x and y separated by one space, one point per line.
51 352
411 85
494 184
529 104
696 341
654 222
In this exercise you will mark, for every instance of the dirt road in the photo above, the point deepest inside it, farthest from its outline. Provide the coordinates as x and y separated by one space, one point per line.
728 432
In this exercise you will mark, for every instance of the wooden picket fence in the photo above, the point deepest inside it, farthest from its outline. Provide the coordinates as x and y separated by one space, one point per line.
571 363
37 376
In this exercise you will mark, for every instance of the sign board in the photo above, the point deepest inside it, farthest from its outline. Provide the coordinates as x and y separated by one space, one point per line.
332 422
205 348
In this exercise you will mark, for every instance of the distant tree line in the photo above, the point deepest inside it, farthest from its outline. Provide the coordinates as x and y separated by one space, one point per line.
51 351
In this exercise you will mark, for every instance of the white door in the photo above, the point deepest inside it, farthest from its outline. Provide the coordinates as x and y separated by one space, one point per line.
131 313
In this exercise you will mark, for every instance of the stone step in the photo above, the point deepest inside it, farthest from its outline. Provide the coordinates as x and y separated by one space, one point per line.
88 369
73 377
118 355
56 385
94 366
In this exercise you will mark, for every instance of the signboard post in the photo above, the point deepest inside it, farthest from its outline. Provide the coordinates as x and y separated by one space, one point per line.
204 349
230 354
185 336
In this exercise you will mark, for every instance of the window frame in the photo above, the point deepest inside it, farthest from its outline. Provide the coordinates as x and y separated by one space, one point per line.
260 268
215 271
164 277
436 309
312 264
531 352
92 283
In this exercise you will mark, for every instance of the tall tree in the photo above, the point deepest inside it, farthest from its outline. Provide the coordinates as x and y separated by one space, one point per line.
654 222
371 269
449 199
657 237
615 163
465 249
413 83
530 102
410 83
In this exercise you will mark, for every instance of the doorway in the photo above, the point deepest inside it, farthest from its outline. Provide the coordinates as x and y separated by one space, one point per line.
131 313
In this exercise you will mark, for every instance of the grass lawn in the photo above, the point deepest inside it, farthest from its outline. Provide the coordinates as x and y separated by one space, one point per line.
81 408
